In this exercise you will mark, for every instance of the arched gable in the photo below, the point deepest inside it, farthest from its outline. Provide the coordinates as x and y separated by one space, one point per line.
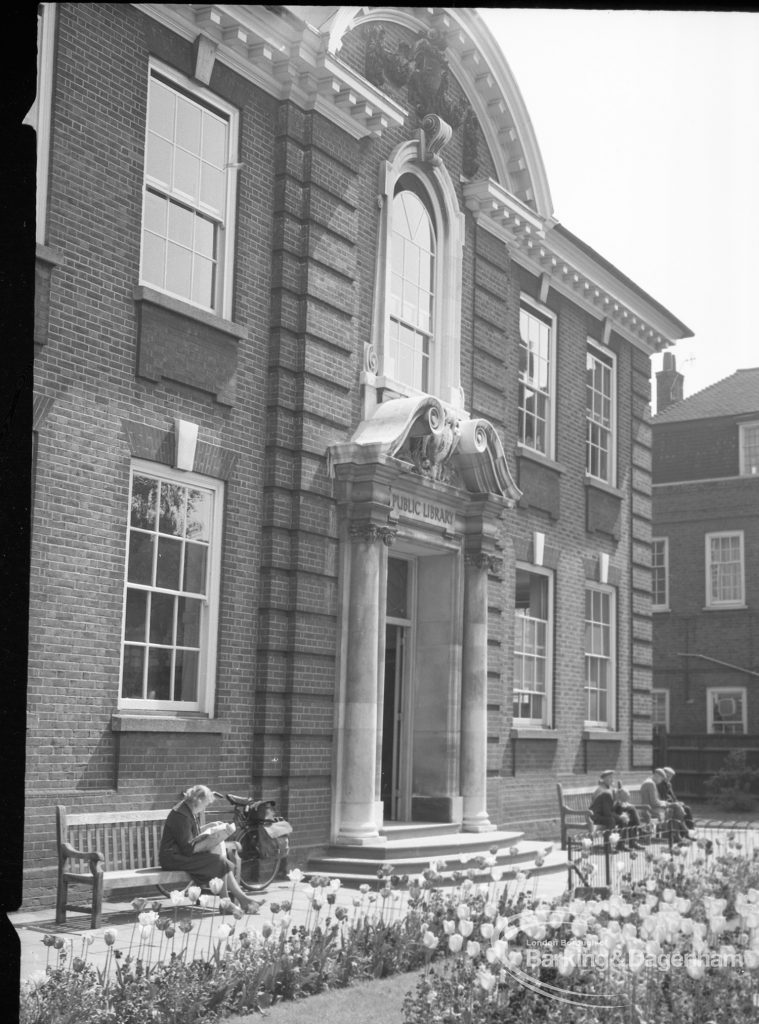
482 72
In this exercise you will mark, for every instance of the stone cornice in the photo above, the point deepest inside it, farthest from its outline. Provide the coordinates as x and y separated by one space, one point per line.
536 244
286 58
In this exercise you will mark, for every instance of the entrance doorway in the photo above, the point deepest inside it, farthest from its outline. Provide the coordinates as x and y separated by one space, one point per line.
395 785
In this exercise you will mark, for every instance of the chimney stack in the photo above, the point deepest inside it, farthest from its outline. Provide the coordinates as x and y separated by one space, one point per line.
669 384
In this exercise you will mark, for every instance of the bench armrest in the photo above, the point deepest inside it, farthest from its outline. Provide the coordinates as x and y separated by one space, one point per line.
95 857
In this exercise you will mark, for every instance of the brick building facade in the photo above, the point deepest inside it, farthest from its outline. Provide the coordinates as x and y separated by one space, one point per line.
342 455
706 554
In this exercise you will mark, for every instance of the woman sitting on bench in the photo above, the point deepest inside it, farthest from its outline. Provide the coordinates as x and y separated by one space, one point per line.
185 847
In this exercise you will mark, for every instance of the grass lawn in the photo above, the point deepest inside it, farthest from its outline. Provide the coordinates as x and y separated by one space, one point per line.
366 1002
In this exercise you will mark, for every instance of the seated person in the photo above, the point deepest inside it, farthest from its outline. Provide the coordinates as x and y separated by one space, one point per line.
623 805
662 810
181 849
666 792
603 812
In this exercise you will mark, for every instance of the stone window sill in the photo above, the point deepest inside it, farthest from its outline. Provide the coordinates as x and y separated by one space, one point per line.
601 736
541 460
599 485
534 732
122 721
143 293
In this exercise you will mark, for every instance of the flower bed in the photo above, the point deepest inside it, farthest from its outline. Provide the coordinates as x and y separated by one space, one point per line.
680 944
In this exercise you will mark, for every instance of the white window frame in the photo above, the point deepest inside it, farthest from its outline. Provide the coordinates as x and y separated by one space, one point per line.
661 692
607 358
660 606
435 183
221 304
546 721
726 692
743 429
210 606
403 321
610 661
39 116
547 318
711 600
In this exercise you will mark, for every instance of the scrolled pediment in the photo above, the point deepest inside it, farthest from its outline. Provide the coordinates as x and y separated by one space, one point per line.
437 441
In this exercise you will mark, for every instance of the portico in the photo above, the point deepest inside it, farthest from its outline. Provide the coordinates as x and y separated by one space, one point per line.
421 493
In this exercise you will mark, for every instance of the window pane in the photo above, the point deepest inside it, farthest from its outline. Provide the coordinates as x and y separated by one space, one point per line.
162 619
186 676
143 507
202 281
172 509
188 125
155 213
214 149
205 238
181 225
195 556
188 622
179 271
159 675
141 558
162 107
134 664
397 588
159 161
198 515
187 175
136 615
153 260
169 561
213 185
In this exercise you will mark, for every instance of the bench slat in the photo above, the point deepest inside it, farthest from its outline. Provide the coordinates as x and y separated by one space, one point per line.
110 817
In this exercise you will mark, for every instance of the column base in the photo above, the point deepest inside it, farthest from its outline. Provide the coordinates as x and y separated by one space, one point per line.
478 823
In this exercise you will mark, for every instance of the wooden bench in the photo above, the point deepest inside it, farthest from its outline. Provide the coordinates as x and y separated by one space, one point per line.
109 850
574 808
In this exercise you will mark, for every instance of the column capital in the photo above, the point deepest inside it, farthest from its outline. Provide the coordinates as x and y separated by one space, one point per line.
369 532
483 560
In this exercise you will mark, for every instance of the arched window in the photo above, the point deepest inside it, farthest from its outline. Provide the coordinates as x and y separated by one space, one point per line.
411 327
414 347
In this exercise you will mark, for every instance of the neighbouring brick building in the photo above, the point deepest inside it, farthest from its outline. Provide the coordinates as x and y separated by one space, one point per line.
706 554
342 453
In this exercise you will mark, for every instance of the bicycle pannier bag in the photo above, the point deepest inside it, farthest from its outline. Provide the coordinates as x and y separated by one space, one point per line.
268 845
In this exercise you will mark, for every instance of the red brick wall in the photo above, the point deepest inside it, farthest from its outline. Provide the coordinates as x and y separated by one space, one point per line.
87 369
304 281
685 513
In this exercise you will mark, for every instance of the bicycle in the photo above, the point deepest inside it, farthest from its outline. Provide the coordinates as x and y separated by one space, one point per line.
259 853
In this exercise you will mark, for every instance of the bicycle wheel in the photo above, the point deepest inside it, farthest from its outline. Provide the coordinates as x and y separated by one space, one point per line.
256 870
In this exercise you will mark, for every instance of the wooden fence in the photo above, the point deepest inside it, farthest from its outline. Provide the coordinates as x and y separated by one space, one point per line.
695 757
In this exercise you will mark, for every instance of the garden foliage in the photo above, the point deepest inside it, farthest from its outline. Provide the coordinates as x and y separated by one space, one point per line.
678 945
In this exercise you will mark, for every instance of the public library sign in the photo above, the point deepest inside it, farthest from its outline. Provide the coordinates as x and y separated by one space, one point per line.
422 509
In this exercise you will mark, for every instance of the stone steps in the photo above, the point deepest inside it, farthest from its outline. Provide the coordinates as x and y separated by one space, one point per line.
409 853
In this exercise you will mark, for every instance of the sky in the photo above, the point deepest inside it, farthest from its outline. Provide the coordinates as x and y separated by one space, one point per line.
648 126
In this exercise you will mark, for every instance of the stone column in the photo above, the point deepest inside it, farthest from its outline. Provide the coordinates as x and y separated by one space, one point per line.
474 693
358 823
